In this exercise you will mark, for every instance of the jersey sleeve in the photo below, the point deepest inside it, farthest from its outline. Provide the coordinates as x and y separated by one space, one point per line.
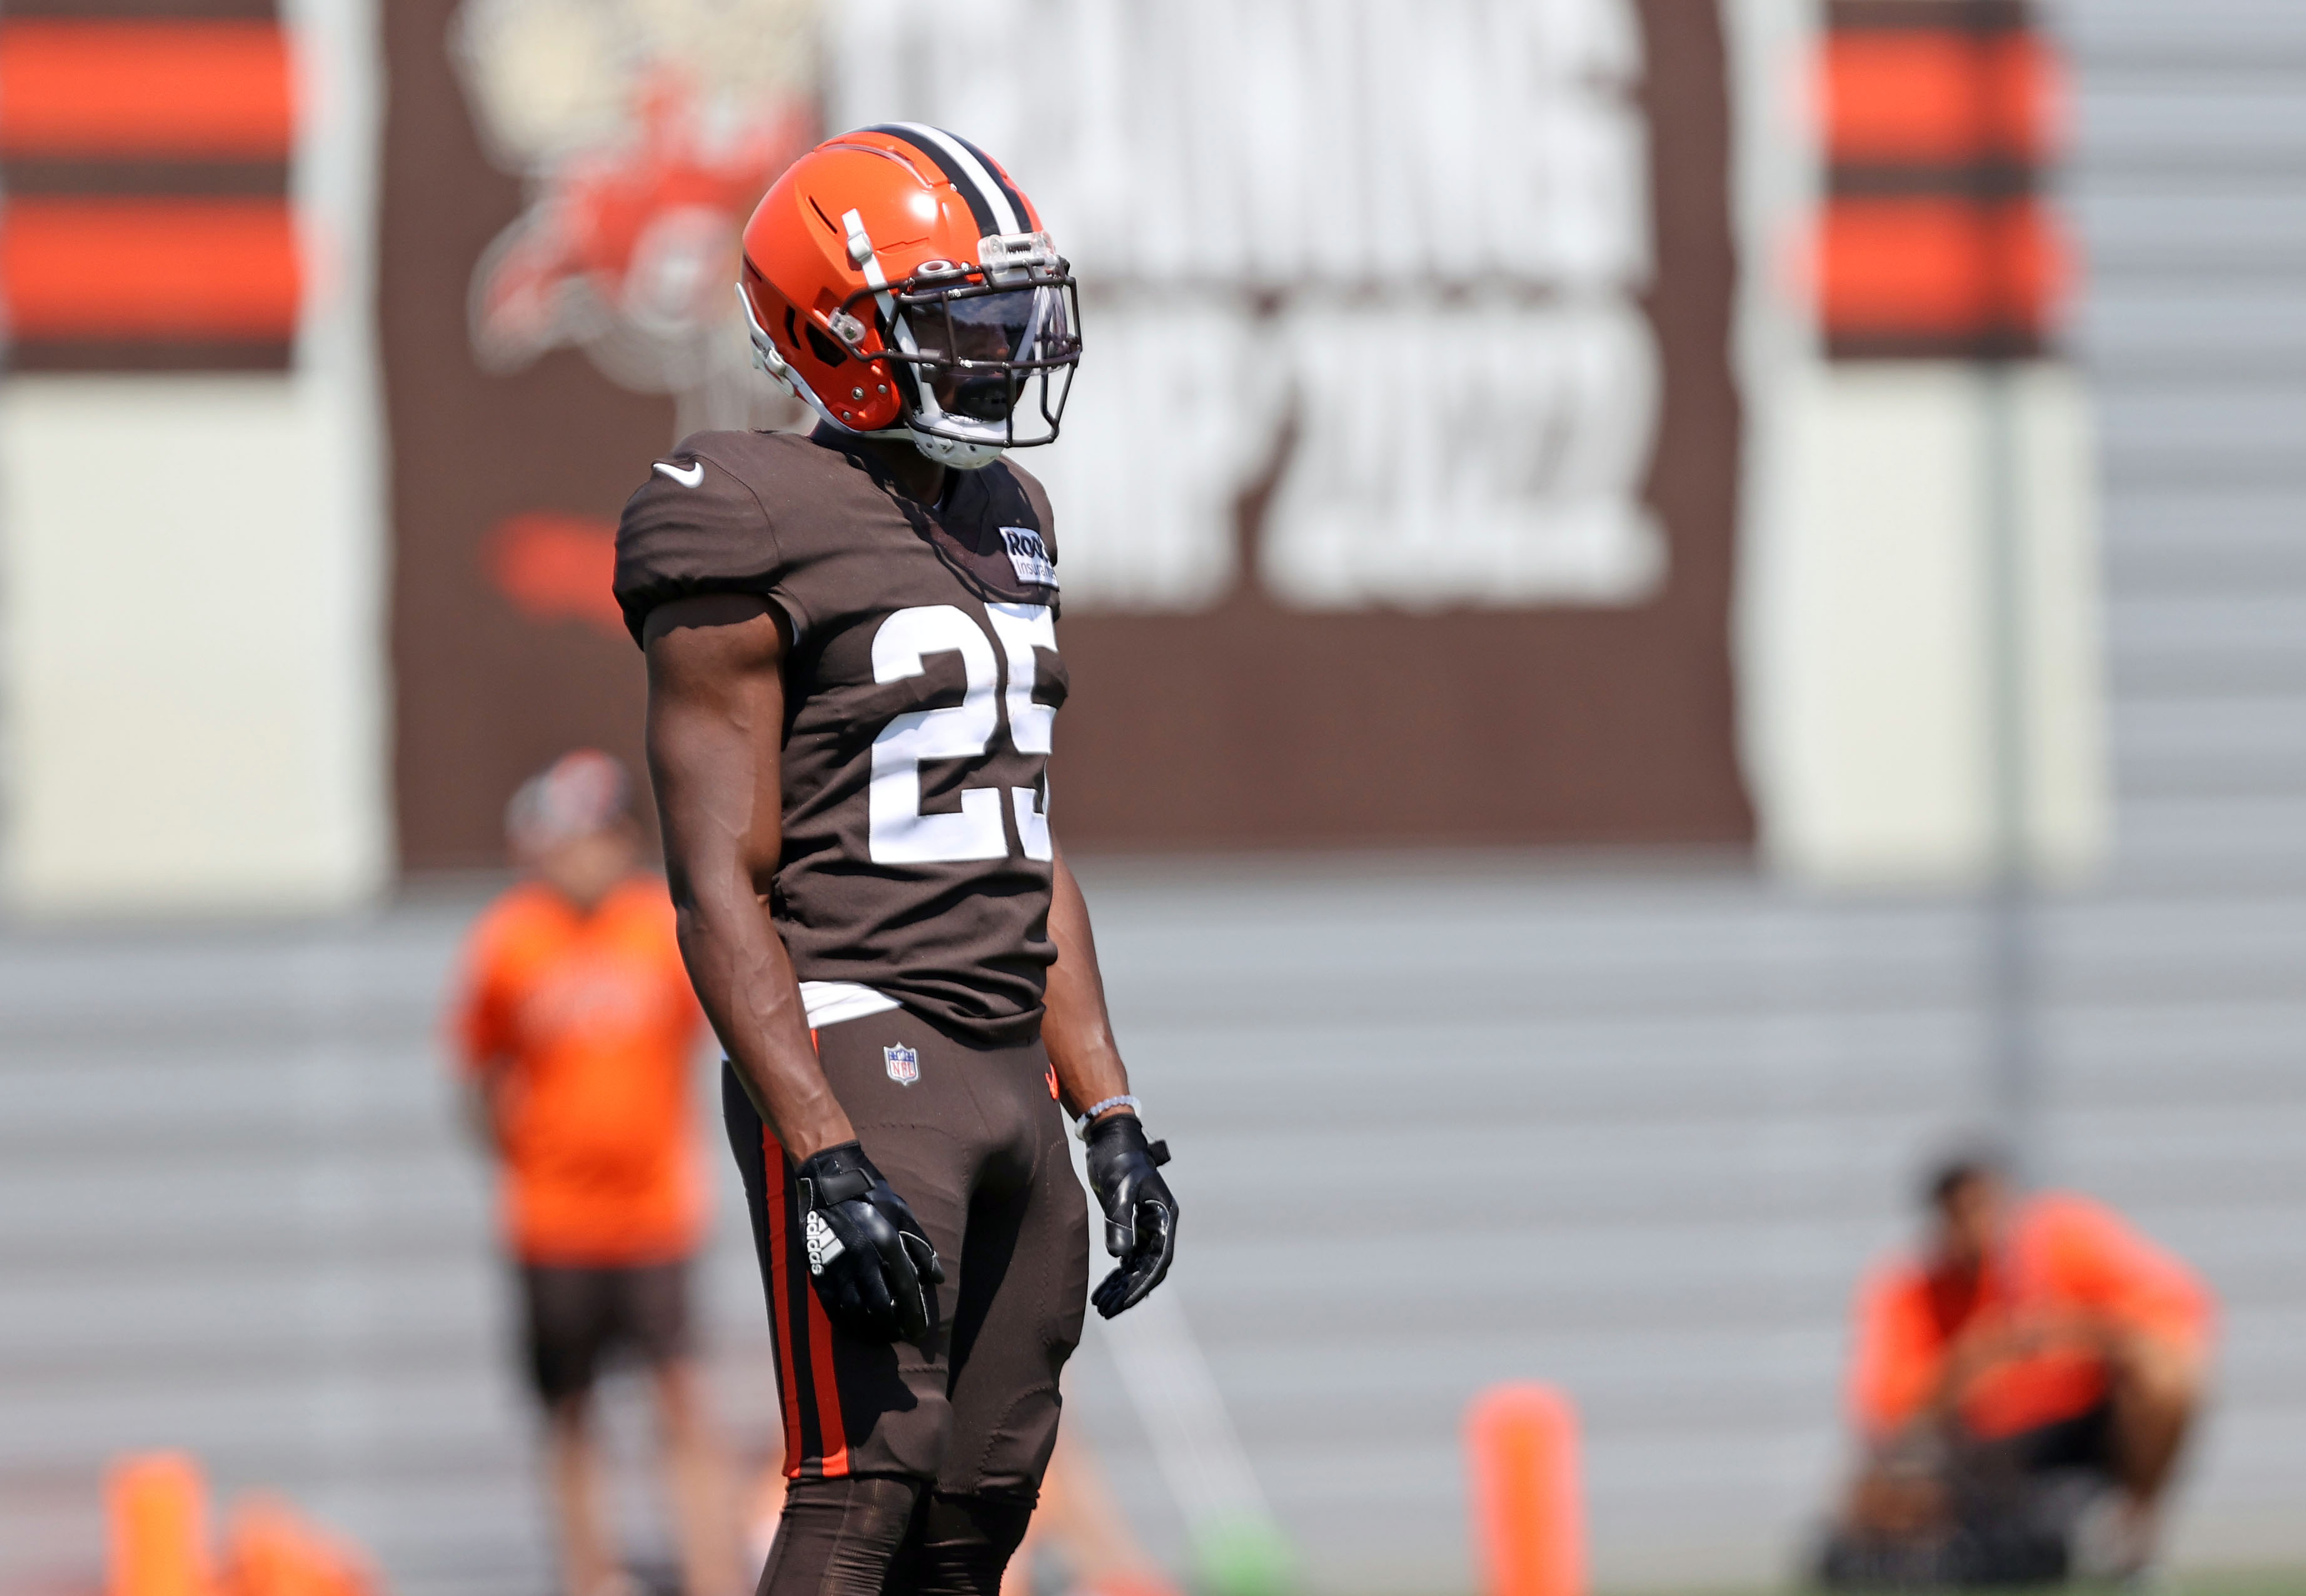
693 527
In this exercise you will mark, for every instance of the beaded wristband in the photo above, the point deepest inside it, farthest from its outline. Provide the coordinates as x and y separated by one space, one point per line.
1094 1109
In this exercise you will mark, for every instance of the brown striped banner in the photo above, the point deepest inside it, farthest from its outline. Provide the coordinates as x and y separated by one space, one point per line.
144 149
1934 242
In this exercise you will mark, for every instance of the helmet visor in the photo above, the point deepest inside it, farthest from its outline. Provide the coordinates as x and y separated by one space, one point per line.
977 347
988 334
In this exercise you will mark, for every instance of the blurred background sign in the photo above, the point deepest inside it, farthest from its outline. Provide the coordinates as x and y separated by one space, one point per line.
564 183
1397 497
1921 564
1398 490
137 140
188 457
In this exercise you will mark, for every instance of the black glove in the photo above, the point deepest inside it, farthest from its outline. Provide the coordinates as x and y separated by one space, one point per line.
868 1255
1140 1216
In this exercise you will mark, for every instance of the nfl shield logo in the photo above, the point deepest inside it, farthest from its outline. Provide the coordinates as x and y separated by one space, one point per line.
904 1064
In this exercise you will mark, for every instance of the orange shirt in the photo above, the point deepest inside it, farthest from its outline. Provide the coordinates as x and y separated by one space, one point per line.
2064 1254
592 1018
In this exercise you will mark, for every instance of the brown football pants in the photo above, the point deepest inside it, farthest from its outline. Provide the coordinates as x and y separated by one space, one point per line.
972 1138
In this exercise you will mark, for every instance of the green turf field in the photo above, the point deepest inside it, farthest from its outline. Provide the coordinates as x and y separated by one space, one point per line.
2260 1581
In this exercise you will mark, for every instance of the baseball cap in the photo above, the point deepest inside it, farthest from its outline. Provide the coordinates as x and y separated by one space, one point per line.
582 792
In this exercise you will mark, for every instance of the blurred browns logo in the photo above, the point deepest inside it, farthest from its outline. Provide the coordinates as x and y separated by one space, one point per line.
904 1064
648 130
555 567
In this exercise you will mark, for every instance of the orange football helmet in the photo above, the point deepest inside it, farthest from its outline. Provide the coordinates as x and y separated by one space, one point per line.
899 283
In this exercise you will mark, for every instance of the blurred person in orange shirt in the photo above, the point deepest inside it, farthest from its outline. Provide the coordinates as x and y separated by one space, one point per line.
2035 1339
575 1027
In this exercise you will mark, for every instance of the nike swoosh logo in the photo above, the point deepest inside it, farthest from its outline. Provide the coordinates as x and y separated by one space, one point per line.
693 477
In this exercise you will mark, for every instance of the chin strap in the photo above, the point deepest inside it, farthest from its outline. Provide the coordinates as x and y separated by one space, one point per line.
956 453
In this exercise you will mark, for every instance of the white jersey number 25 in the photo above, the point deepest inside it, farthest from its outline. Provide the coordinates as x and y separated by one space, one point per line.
899 832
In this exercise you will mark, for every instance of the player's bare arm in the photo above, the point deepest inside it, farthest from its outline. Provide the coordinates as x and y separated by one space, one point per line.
1077 1029
715 727
715 714
1141 1215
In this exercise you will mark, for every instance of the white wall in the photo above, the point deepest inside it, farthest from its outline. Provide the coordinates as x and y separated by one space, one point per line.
1876 665
191 588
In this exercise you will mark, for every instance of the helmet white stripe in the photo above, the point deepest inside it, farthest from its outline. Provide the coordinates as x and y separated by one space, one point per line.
989 192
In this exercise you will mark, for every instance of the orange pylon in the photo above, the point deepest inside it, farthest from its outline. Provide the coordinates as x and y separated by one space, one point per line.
156 1512
1529 1513
271 1550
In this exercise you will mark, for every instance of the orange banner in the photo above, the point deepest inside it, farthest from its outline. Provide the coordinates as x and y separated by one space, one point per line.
1938 98
150 269
205 89
1933 265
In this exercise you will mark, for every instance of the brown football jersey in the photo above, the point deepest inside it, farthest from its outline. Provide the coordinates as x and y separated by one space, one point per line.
920 693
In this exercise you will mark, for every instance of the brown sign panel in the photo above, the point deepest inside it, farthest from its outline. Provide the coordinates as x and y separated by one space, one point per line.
514 343
484 692
1252 724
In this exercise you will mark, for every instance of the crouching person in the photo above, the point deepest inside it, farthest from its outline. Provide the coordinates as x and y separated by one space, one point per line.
2022 1388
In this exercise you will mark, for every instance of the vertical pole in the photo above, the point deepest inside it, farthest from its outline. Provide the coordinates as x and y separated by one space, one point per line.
1529 1519
2013 1050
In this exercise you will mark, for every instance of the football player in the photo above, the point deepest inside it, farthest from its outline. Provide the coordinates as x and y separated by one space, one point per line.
853 677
